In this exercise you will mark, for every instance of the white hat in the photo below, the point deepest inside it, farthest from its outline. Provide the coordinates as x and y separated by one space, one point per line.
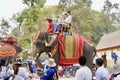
51 62
45 62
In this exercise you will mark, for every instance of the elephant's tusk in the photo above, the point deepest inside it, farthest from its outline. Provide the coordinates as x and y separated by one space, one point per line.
34 58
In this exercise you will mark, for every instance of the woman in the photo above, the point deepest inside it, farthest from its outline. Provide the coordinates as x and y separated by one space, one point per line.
50 71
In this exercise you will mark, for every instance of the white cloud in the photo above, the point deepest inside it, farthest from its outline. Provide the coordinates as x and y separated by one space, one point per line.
98 4
51 2
10 7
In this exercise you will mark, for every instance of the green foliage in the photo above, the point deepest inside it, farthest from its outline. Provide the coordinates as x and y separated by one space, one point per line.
27 22
31 3
5 26
89 23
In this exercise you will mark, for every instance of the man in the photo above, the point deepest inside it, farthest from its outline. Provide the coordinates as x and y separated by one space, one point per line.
50 31
84 73
101 73
50 26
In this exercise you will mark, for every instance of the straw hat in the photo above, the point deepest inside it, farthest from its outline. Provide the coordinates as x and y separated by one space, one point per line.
51 62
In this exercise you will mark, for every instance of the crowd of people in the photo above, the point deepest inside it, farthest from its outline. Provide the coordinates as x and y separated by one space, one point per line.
18 70
26 70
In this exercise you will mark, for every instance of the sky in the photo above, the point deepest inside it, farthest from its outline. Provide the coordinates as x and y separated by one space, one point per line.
98 4
10 7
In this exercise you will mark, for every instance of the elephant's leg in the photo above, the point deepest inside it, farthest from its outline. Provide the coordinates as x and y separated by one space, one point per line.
90 62
88 53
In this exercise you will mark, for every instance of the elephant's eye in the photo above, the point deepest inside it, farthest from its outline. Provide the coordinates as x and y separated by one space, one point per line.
38 43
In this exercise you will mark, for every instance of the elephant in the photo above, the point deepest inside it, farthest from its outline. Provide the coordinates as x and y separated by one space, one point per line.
9 51
38 46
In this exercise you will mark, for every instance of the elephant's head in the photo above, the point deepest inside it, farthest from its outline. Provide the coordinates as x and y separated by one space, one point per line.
38 45
18 49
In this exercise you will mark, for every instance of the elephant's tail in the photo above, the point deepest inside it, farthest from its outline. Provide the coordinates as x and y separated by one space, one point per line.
94 51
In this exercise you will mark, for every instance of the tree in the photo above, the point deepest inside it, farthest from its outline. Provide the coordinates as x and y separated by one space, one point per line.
31 3
111 20
27 20
5 26
87 22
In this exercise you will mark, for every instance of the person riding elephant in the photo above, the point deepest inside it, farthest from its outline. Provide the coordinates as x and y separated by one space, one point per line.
66 26
50 26
50 31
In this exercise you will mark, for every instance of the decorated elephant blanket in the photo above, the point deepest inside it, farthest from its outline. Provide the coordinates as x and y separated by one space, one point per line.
70 49
7 50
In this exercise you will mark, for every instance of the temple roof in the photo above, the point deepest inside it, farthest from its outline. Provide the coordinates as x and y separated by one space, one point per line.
109 41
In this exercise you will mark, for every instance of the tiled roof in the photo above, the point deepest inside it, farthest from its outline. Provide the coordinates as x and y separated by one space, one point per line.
108 41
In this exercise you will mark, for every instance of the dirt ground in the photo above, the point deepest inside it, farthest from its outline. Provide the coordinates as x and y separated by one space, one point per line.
63 78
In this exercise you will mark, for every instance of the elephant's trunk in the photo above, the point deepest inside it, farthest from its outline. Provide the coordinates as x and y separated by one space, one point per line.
38 61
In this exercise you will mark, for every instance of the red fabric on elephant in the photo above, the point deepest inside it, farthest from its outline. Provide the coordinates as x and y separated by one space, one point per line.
76 44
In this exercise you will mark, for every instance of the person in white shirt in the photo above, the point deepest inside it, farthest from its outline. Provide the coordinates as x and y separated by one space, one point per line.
84 73
68 18
101 73
22 72
5 71
66 26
